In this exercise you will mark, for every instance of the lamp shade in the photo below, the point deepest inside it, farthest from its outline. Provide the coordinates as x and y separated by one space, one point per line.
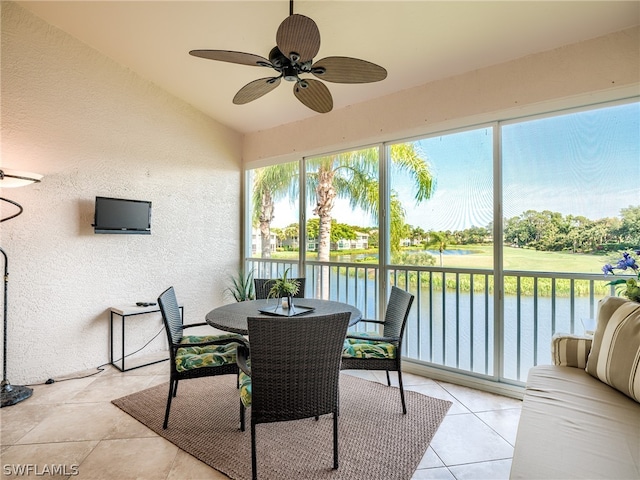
17 178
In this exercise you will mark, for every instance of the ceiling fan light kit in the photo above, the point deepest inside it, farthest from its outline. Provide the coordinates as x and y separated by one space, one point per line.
297 42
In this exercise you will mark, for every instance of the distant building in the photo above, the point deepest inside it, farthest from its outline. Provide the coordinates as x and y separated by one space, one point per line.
361 242
312 244
291 243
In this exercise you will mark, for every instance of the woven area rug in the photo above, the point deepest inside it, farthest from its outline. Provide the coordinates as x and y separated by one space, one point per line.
376 441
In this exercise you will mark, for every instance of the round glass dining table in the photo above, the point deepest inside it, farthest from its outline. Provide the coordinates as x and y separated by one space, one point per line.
233 317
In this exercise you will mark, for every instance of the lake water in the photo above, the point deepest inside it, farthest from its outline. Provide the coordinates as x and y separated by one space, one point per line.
350 258
446 252
456 331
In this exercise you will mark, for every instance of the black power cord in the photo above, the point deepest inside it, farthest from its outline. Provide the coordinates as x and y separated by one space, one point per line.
99 368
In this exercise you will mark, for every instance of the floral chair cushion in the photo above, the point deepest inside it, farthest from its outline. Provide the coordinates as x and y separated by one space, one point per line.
245 389
188 358
357 348
364 334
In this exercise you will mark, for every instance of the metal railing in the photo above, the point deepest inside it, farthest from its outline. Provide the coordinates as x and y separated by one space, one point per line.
453 321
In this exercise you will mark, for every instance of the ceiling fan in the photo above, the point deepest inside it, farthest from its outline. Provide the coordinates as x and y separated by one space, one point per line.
297 42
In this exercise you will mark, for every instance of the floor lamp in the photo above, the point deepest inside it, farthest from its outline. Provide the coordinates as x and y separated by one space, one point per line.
12 394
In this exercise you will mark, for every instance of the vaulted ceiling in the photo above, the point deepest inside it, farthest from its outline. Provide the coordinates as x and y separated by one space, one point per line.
416 41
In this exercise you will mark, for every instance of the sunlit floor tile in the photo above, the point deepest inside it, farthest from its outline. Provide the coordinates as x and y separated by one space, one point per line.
408 379
18 420
46 458
159 379
494 470
131 459
441 473
479 401
466 439
113 386
79 422
436 391
430 460
187 467
58 392
504 422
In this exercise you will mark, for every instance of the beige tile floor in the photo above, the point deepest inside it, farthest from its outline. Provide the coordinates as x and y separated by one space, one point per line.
72 424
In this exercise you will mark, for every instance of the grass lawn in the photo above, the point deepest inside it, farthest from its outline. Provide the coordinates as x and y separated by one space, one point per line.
518 259
514 259
528 260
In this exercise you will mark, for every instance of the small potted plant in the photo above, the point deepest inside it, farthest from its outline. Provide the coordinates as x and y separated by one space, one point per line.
284 288
629 286
241 288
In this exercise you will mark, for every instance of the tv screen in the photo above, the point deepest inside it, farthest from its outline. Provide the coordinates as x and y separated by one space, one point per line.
119 215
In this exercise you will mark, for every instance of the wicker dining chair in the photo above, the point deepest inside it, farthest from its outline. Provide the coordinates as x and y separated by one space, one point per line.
194 356
371 351
289 374
263 285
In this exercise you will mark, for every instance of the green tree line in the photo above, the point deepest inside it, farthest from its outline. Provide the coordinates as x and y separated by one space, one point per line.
552 231
544 231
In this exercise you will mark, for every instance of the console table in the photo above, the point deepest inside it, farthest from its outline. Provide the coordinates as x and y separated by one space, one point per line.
124 312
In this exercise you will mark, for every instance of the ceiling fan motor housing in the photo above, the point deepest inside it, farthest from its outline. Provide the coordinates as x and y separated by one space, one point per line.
290 73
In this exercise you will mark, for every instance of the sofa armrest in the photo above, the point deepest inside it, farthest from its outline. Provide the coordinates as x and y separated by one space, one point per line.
570 350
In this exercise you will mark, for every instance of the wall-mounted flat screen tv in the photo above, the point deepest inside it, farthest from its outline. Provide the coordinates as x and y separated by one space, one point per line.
119 215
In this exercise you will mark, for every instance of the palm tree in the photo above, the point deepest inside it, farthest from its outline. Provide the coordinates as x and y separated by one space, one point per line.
399 230
271 184
354 176
440 240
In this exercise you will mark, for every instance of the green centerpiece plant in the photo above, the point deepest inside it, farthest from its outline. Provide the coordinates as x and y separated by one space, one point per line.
284 287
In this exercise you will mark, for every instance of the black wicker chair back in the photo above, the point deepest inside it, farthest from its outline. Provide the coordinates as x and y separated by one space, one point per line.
263 285
295 370
395 317
395 321
171 316
174 328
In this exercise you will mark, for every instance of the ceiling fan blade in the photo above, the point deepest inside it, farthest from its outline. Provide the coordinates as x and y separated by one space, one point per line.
299 35
348 70
315 95
232 57
254 90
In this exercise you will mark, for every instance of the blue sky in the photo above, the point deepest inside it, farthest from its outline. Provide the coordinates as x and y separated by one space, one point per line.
585 163
462 167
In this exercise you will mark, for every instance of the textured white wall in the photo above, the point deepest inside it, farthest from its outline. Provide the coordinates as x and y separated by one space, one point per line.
92 127
601 69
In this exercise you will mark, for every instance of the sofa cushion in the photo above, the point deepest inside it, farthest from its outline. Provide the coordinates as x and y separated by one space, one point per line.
615 353
570 350
573 426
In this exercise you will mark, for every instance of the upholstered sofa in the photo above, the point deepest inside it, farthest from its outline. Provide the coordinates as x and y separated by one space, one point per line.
581 416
